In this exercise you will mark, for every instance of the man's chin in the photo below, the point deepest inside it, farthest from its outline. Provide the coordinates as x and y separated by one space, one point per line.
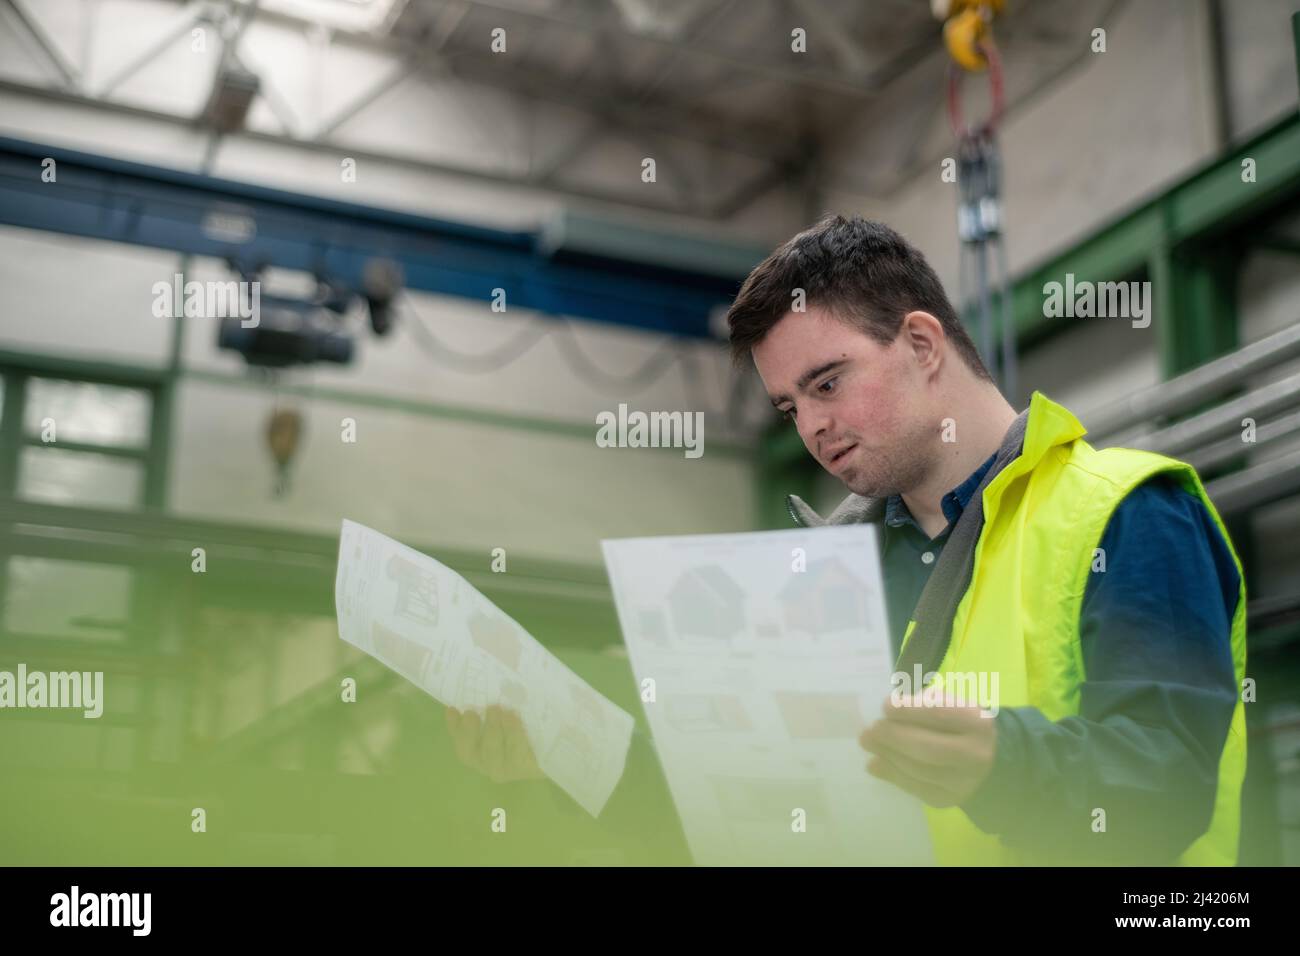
864 488
865 482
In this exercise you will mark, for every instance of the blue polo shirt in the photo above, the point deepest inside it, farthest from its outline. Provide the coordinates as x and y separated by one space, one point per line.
1159 690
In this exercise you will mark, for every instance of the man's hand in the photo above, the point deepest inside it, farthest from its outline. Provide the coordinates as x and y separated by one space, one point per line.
940 754
494 745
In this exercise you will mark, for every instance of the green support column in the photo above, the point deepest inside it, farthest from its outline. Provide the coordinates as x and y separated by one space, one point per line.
11 430
1195 288
1195 306
164 405
158 458
1295 33
11 445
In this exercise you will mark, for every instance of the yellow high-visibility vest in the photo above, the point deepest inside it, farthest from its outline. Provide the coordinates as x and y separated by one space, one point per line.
1044 516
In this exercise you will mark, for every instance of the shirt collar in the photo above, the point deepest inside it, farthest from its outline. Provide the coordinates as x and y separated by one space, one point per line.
953 503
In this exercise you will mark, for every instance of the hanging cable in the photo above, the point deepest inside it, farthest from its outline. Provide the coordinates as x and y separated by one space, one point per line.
653 369
492 360
565 338
694 383
979 177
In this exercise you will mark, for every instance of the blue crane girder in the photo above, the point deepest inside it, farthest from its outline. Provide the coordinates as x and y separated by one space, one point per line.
120 201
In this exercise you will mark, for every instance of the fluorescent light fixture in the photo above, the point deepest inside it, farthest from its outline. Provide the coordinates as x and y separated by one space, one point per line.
232 94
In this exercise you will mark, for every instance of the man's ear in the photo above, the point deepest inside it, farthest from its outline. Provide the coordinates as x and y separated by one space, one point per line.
924 335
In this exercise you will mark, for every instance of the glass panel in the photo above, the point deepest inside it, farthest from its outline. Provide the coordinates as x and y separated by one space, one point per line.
62 477
76 599
88 412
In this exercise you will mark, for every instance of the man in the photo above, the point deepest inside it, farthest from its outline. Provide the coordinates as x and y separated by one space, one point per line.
1100 587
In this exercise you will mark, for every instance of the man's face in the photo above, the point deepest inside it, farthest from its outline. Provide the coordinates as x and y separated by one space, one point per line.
860 406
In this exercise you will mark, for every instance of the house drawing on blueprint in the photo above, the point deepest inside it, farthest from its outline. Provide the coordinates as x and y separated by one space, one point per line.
827 597
706 602
496 635
417 591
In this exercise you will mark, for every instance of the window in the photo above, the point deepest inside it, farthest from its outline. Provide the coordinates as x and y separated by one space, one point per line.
87 413
75 441
50 597
59 477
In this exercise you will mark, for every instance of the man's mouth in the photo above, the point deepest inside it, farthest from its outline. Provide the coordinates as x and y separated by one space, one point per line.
840 454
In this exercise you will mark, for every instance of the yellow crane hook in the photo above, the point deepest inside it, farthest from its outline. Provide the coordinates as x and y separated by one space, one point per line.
967 23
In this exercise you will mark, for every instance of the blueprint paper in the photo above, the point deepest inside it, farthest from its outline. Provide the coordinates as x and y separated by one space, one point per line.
427 623
764 675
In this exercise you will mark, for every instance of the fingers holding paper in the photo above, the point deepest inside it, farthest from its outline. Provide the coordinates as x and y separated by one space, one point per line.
937 753
495 744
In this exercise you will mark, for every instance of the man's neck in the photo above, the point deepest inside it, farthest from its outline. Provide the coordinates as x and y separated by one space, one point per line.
981 421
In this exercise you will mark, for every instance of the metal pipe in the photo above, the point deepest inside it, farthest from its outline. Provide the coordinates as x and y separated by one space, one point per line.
1230 448
71 77
1009 361
1257 485
1194 387
1222 419
985 304
359 152
196 12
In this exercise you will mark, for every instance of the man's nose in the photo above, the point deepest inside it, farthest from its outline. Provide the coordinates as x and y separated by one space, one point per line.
815 426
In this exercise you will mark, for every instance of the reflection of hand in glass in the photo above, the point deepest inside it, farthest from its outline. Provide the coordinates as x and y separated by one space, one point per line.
495 744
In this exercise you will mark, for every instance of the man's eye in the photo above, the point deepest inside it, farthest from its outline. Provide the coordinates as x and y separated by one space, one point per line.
831 382
787 415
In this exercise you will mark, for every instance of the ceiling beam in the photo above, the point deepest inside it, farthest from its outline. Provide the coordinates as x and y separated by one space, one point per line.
631 199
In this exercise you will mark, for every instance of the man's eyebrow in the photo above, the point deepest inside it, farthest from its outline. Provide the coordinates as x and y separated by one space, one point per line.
807 377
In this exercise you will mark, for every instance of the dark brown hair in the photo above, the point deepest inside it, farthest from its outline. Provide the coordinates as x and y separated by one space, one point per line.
862 271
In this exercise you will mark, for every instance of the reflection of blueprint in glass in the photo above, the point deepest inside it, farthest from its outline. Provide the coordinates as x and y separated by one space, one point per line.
770 653
431 626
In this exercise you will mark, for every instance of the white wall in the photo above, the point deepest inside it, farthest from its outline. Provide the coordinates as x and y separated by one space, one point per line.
526 475
1261 55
